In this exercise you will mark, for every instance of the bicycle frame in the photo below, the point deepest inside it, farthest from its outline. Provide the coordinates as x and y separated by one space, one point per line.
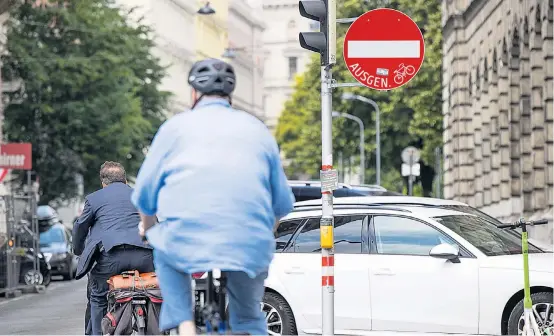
213 312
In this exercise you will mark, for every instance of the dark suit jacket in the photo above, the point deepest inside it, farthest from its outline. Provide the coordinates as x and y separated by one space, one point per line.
112 220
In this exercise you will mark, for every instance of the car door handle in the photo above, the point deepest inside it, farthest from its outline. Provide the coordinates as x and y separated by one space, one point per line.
383 271
294 270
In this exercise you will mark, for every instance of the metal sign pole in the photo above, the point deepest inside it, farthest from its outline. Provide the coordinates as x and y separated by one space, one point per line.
410 181
327 220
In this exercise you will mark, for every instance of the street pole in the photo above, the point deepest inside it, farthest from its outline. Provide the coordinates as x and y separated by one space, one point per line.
410 182
327 220
362 141
341 168
438 172
377 130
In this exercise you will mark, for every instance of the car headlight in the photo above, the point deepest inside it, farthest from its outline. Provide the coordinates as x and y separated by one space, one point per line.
58 256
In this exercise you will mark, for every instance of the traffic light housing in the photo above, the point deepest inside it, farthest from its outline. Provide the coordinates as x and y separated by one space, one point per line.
323 42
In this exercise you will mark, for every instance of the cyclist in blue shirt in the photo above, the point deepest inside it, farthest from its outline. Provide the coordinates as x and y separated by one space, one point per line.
213 175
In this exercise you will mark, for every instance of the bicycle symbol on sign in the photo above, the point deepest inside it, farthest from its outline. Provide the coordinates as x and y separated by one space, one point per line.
402 72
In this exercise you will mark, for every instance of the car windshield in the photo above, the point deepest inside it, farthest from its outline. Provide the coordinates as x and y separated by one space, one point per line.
52 236
484 235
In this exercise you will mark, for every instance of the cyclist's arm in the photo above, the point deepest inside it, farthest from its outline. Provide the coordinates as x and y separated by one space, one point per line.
281 192
147 221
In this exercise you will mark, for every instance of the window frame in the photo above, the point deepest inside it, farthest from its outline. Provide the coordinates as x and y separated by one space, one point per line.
464 252
286 248
290 74
365 231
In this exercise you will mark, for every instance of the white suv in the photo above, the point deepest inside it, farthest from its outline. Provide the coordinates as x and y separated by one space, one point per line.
388 275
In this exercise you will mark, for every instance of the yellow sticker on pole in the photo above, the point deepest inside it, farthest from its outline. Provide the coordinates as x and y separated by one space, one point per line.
327 236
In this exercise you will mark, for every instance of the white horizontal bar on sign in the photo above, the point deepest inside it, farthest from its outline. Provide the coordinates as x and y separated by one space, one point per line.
383 49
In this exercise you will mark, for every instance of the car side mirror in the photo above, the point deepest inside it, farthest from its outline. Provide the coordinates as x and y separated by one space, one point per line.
446 251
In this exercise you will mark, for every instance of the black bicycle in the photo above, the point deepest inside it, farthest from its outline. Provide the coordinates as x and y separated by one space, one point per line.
211 314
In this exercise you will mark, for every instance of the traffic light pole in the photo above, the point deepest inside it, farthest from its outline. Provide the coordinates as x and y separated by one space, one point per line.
324 42
327 218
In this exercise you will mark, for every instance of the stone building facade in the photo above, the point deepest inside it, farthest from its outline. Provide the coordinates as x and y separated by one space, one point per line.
498 107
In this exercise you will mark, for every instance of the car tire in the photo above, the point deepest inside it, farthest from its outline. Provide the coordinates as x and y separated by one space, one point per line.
29 276
47 279
517 311
284 311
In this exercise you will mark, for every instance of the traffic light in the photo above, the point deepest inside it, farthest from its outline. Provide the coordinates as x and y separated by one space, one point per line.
323 42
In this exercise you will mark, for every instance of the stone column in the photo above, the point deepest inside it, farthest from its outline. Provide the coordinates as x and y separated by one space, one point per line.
456 58
485 136
515 126
537 143
494 131
504 125
476 192
526 129
547 49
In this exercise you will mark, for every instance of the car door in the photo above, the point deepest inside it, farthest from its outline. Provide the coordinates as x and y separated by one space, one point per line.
412 291
302 277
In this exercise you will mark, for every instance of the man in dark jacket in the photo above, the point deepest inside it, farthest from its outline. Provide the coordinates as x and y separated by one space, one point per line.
113 242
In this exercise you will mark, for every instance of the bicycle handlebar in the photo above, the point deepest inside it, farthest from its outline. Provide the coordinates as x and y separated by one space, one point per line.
521 222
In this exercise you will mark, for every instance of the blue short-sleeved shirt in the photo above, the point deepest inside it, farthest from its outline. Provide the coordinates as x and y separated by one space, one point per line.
214 177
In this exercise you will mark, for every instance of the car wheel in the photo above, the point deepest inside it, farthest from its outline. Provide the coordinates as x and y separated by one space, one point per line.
543 310
32 277
278 315
47 280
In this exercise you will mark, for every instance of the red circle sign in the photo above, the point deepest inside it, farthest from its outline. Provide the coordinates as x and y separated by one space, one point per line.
383 49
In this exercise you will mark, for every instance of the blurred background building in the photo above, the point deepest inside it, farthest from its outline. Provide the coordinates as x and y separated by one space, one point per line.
498 107
284 57
245 52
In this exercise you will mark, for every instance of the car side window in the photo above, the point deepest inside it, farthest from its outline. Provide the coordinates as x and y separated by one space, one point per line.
284 233
406 236
349 235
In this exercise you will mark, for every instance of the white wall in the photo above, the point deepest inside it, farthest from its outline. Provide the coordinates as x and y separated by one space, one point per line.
173 25
283 22
245 33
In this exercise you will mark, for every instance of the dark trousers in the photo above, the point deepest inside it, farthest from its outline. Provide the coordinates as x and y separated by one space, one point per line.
119 259
88 325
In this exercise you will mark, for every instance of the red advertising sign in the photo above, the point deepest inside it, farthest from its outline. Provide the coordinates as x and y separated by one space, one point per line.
383 49
16 156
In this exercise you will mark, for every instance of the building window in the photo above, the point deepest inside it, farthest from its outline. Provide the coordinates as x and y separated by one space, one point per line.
293 66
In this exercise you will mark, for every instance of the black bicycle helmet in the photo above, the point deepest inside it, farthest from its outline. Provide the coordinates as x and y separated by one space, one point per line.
212 76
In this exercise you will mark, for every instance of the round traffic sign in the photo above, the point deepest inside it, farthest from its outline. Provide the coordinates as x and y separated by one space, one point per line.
383 49
410 152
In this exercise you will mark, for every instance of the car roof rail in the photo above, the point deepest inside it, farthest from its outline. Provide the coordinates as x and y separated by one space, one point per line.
350 206
315 183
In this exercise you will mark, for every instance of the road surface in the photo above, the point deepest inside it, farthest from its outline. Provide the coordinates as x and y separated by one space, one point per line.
60 310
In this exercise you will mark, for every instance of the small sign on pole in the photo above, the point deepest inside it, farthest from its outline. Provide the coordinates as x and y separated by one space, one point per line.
410 167
383 49
415 169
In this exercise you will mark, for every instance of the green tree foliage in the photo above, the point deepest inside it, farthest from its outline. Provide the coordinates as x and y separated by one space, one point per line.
88 91
410 115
